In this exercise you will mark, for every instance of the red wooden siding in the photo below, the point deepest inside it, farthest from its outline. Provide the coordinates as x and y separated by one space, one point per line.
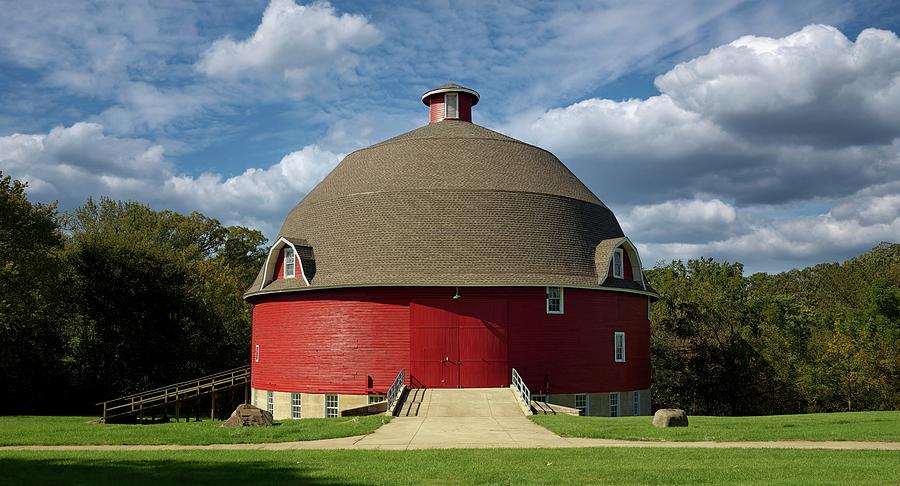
337 341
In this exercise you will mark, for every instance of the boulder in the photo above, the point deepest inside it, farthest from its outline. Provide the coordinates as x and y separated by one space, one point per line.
670 417
246 415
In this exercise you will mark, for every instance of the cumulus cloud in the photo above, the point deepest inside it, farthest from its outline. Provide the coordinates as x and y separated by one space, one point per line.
68 164
298 45
757 121
694 220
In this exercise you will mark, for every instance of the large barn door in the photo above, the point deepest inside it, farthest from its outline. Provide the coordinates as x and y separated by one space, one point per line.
483 345
459 344
434 347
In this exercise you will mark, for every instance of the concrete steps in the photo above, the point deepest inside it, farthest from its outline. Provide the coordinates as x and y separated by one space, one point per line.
464 402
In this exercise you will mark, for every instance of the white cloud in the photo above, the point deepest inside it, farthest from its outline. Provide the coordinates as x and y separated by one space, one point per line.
68 164
684 220
715 130
298 45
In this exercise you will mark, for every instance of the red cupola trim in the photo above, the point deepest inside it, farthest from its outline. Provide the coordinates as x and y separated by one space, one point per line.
450 102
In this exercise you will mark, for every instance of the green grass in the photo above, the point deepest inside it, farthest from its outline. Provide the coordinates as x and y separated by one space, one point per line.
33 430
495 466
864 426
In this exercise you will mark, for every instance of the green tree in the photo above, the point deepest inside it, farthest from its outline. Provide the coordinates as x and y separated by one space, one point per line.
31 311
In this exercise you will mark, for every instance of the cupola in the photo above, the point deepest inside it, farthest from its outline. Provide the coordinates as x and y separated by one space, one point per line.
450 102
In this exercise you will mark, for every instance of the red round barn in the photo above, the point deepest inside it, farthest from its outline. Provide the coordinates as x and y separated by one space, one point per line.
457 254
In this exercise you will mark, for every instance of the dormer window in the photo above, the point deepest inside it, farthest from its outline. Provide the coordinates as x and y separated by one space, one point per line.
451 105
618 264
289 262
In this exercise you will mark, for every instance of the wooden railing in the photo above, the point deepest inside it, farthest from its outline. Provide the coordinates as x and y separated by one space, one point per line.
175 393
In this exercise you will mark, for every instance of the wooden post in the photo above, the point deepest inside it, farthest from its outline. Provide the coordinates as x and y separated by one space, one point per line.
246 397
212 406
177 409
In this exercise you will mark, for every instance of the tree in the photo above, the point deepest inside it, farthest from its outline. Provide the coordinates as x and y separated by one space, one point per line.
31 308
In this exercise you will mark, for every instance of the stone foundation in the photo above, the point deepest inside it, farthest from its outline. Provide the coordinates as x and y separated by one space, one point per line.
598 403
312 404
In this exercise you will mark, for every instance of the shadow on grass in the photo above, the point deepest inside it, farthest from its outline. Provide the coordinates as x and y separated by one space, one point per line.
155 472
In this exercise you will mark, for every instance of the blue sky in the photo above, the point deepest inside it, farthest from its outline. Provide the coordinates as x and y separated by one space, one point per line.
762 132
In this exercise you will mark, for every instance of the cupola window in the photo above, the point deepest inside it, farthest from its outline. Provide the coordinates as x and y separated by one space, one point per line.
554 300
289 262
451 105
618 264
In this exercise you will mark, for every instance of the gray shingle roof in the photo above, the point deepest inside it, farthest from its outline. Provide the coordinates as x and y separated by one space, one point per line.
449 204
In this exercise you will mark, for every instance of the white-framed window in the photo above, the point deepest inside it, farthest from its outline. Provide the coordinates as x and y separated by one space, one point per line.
377 399
451 105
256 354
614 404
331 406
296 406
636 405
554 300
270 402
582 404
539 398
619 351
289 262
618 263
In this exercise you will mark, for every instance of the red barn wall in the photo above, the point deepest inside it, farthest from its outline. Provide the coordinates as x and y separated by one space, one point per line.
354 341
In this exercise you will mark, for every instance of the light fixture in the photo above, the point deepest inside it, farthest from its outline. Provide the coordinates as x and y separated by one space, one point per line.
456 296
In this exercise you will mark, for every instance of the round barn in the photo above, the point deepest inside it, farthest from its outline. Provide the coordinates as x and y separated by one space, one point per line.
457 254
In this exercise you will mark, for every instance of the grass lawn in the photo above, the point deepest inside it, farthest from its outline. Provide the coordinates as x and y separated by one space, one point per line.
461 466
33 430
867 426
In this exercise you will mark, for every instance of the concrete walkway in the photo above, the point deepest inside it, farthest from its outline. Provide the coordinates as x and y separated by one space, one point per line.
471 418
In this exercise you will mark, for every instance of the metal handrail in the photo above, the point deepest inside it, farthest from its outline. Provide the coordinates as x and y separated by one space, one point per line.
522 390
396 389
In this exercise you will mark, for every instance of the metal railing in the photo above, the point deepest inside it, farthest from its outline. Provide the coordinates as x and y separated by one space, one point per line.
393 394
157 397
519 384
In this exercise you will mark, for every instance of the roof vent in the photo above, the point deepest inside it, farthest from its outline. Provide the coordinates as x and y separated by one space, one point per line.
451 102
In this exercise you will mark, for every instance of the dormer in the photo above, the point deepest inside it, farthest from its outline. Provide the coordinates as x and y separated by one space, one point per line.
618 259
289 258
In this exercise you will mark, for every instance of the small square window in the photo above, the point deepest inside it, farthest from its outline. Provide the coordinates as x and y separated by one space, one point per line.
636 406
377 399
614 404
289 262
331 406
270 402
618 264
296 406
581 403
451 105
554 300
619 347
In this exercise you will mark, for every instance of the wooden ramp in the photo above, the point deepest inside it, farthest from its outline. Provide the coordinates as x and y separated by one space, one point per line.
159 400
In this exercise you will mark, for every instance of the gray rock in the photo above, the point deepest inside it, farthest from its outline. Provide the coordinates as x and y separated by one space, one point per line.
246 415
670 417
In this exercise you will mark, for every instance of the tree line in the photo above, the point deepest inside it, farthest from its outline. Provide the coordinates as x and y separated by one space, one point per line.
115 297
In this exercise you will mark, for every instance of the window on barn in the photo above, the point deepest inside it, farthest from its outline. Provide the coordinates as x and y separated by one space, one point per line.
539 398
618 264
554 300
451 105
581 403
636 406
296 406
619 347
270 402
377 399
289 262
331 406
614 404
256 358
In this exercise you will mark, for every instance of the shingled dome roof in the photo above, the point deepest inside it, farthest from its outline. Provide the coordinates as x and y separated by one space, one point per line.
448 204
